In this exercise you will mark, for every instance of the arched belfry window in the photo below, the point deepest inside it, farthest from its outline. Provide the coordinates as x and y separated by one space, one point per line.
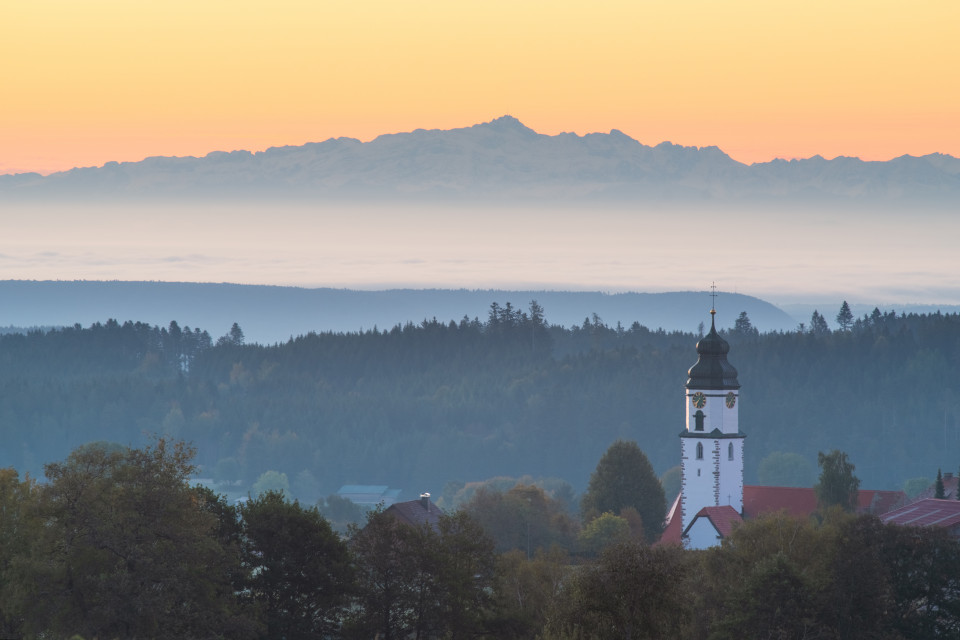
699 451
730 451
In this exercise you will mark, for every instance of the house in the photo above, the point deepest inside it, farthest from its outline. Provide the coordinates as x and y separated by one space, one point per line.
928 512
416 512
949 488
712 524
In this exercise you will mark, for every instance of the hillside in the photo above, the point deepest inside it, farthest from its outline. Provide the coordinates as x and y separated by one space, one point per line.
271 314
424 405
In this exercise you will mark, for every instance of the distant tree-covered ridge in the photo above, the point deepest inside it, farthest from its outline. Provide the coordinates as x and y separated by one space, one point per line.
420 405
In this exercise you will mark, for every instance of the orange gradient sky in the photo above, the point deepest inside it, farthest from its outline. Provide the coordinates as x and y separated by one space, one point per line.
82 83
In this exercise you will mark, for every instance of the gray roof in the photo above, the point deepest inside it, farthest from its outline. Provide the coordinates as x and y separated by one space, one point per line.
416 512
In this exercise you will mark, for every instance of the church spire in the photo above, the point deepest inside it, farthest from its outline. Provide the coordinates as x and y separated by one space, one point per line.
712 370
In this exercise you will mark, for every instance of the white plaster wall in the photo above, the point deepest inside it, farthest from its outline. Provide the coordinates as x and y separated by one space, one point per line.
698 489
731 474
702 535
718 415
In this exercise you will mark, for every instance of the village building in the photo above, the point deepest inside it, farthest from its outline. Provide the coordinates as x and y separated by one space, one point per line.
416 512
928 512
713 498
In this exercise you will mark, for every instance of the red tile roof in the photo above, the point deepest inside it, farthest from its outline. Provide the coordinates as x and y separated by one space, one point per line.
928 512
879 502
672 533
801 502
723 518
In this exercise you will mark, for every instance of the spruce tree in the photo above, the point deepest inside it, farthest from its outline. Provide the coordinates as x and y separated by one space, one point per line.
818 324
845 317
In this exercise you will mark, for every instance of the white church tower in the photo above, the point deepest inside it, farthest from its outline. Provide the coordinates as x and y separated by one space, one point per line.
711 446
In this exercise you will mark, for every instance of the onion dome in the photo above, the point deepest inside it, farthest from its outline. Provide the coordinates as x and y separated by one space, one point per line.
712 371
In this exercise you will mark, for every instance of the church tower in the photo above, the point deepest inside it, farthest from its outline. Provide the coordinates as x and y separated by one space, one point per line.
711 446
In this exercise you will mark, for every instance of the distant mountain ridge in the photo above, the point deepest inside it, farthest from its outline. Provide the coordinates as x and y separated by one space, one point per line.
500 159
270 314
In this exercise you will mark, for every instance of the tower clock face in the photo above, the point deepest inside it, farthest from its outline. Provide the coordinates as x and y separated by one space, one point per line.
731 400
699 400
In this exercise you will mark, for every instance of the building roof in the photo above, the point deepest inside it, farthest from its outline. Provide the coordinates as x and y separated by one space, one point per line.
801 502
798 502
722 518
879 502
949 488
369 494
928 512
416 512
712 371
672 533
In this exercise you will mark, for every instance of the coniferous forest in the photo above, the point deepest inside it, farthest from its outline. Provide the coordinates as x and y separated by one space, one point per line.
104 532
426 406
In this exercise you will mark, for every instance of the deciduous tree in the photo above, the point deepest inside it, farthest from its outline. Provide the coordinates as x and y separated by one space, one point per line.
604 531
297 571
633 592
837 485
624 477
18 526
422 582
127 551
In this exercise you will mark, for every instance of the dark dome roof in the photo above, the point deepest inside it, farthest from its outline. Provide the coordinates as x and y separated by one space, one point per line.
712 370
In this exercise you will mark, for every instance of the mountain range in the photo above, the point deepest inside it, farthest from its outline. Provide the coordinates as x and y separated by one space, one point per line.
501 160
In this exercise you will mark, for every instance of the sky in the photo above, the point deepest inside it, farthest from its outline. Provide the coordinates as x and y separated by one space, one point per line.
84 83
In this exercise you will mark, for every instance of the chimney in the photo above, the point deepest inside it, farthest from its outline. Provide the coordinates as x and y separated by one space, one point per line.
425 501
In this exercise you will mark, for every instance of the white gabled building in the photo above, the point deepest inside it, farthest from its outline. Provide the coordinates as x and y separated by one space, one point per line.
713 499
711 445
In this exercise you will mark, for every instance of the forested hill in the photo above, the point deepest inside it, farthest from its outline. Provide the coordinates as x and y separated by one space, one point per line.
270 314
418 406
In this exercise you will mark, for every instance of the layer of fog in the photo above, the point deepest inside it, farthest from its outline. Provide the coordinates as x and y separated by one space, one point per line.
779 255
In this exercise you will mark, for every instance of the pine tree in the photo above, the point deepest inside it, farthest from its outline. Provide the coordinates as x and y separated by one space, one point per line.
845 317
818 324
743 327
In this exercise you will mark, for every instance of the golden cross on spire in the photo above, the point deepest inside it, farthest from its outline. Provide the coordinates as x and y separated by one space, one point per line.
713 296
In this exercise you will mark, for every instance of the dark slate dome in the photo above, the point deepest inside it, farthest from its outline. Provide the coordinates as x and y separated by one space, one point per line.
712 370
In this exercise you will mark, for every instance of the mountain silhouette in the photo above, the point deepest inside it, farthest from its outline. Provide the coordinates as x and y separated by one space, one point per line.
500 159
